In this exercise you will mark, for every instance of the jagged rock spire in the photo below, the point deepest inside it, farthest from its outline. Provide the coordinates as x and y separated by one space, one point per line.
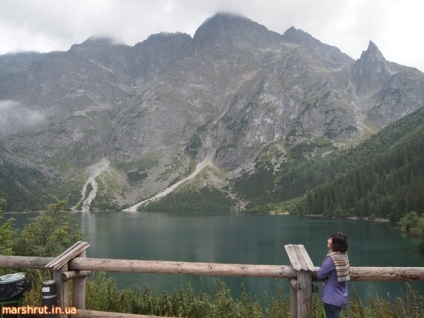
373 52
369 71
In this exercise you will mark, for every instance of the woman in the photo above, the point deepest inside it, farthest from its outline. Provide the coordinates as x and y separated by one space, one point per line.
335 273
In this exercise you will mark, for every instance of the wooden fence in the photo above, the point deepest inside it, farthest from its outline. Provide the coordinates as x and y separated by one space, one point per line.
74 265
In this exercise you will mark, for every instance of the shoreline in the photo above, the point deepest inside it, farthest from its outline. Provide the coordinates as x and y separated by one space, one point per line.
353 218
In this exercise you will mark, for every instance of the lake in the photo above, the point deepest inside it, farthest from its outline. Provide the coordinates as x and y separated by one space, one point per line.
241 239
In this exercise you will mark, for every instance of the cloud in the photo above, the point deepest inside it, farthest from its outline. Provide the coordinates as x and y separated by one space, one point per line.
15 118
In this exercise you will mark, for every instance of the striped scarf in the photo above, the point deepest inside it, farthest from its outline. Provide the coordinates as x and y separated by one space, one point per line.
341 262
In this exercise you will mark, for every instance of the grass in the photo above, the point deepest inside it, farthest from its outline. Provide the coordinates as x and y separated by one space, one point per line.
103 294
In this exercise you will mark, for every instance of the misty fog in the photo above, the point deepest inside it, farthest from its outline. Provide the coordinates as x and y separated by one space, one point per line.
15 118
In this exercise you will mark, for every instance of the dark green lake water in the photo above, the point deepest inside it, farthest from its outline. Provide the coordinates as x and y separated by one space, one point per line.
242 239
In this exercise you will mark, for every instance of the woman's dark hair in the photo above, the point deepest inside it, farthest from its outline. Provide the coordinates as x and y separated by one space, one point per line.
339 242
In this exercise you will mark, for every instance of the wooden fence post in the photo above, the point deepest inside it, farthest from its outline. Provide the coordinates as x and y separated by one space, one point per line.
294 287
60 274
78 288
61 288
301 288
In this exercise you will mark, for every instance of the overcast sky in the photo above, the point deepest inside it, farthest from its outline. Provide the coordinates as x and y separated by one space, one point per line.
395 26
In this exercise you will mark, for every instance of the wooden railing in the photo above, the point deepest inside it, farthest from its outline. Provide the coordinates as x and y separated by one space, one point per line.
300 274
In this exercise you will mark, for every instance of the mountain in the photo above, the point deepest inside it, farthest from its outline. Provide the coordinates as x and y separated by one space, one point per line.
383 177
106 125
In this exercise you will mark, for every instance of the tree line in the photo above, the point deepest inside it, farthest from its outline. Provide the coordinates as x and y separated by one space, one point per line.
382 177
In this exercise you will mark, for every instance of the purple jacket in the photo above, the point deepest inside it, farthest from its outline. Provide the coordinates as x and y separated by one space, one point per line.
334 292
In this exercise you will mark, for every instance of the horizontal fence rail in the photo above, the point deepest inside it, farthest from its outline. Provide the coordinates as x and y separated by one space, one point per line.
359 274
185 268
76 267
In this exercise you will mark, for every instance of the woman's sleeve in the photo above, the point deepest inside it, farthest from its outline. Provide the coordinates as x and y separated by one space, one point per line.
326 268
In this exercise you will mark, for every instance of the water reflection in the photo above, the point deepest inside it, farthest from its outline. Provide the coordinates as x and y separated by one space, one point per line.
239 239
251 239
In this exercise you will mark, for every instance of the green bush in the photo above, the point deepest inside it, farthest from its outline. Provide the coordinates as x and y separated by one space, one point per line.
103 295
48 234
6 232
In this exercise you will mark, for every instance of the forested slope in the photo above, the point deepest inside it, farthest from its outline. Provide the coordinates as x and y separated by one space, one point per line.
382 177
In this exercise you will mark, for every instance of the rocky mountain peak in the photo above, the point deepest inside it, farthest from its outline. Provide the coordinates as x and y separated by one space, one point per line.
163 38
223 22
370 70
373 53
225 29
156 43
159 51
94 42
302 38
297 36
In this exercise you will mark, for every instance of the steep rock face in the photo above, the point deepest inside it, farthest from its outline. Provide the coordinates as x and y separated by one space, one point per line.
231 93
159 52
371 71
324 51
387 91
